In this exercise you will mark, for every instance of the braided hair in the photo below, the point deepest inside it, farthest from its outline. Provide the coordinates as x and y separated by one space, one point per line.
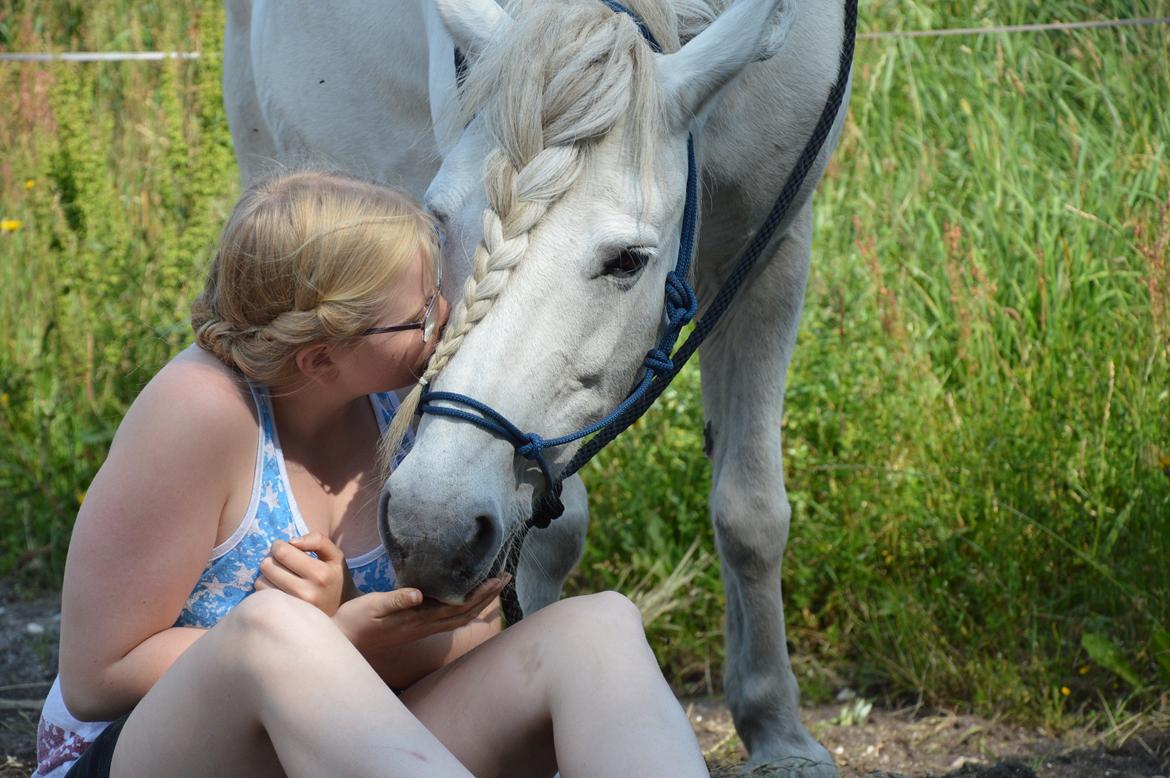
306 257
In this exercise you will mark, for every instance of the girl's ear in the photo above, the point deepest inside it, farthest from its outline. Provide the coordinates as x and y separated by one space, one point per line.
315 362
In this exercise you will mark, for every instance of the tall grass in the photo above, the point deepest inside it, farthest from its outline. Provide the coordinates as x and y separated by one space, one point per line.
114 179
977 428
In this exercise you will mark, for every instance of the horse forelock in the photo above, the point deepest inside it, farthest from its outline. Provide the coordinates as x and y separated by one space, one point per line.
569 73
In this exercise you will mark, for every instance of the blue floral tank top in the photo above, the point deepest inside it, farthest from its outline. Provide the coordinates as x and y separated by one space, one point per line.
272 515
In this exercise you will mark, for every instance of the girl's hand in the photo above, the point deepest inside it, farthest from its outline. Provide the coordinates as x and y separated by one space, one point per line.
323 581
381 620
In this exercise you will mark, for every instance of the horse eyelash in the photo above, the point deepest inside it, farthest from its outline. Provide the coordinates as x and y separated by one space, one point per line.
613 267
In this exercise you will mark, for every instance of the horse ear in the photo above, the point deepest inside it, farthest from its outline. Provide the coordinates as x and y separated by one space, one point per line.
749 31
472 23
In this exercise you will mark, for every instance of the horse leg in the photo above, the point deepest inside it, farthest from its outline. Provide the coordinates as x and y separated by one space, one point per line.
549 554
744 368
253 141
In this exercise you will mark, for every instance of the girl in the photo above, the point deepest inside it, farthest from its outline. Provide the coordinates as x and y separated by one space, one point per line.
227 606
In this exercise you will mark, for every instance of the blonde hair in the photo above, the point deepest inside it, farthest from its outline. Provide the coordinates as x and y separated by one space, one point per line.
558 80
306 257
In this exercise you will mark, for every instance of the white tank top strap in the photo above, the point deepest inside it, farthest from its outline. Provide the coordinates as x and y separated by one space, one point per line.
259 399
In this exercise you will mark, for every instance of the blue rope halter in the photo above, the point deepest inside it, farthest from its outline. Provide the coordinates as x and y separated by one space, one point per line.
680 307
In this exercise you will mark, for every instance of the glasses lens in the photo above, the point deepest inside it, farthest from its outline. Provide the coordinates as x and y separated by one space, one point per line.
428 322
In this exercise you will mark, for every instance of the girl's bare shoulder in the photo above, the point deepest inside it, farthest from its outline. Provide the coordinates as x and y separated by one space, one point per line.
204 385
195 394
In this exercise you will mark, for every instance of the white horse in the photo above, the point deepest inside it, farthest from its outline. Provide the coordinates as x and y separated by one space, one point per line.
561 190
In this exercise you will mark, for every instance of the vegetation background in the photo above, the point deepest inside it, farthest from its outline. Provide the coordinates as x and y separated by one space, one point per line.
977 429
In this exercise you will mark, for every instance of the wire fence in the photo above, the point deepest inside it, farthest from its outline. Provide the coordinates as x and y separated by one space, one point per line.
96 56
1096 24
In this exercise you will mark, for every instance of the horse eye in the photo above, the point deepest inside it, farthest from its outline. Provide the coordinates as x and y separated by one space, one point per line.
627 263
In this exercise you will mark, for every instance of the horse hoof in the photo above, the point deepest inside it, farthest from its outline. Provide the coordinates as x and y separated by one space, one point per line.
789 767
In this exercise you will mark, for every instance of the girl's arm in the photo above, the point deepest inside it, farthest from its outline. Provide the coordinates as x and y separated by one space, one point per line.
144 534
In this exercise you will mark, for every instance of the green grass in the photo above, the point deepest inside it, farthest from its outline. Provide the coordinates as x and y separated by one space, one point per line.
977 429
120 175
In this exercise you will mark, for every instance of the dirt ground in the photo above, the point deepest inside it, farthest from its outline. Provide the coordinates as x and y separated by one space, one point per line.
882 744
905 744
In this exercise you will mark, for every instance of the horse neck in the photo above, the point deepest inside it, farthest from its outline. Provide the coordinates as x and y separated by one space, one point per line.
750 136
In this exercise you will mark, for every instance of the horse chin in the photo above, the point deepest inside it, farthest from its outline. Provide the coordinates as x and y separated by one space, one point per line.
447 586
448 590
492 570
450 600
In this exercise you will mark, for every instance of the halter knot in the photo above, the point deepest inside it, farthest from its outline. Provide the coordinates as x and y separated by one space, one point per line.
658 361
681 303
532 448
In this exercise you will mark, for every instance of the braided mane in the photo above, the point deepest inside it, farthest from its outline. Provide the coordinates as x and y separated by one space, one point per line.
557 81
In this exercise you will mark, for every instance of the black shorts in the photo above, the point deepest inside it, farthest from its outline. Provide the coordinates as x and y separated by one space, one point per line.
95 762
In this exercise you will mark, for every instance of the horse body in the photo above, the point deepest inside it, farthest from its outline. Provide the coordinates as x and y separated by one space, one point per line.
343 84
555 340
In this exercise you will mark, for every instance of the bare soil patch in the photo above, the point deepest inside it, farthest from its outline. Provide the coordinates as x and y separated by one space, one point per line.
909 744
887 744
29 629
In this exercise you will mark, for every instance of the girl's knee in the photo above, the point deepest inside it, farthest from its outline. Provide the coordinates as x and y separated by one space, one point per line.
615 608
605 615
271 618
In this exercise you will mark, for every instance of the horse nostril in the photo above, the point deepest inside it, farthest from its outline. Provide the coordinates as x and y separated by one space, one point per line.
484 541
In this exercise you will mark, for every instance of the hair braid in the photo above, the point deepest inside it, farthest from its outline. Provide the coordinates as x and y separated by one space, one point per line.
304 258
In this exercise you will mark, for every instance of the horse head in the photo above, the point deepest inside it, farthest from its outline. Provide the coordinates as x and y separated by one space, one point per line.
561 200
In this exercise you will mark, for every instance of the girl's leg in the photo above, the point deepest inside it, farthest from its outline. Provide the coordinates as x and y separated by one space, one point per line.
276 689
578 675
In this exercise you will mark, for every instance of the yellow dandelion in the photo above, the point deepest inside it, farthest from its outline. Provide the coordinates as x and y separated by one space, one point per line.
4 400
10 225
1083 670
30 183
80 497
1065 691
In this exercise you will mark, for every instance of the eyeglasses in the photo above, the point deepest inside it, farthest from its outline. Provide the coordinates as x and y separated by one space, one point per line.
427 322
